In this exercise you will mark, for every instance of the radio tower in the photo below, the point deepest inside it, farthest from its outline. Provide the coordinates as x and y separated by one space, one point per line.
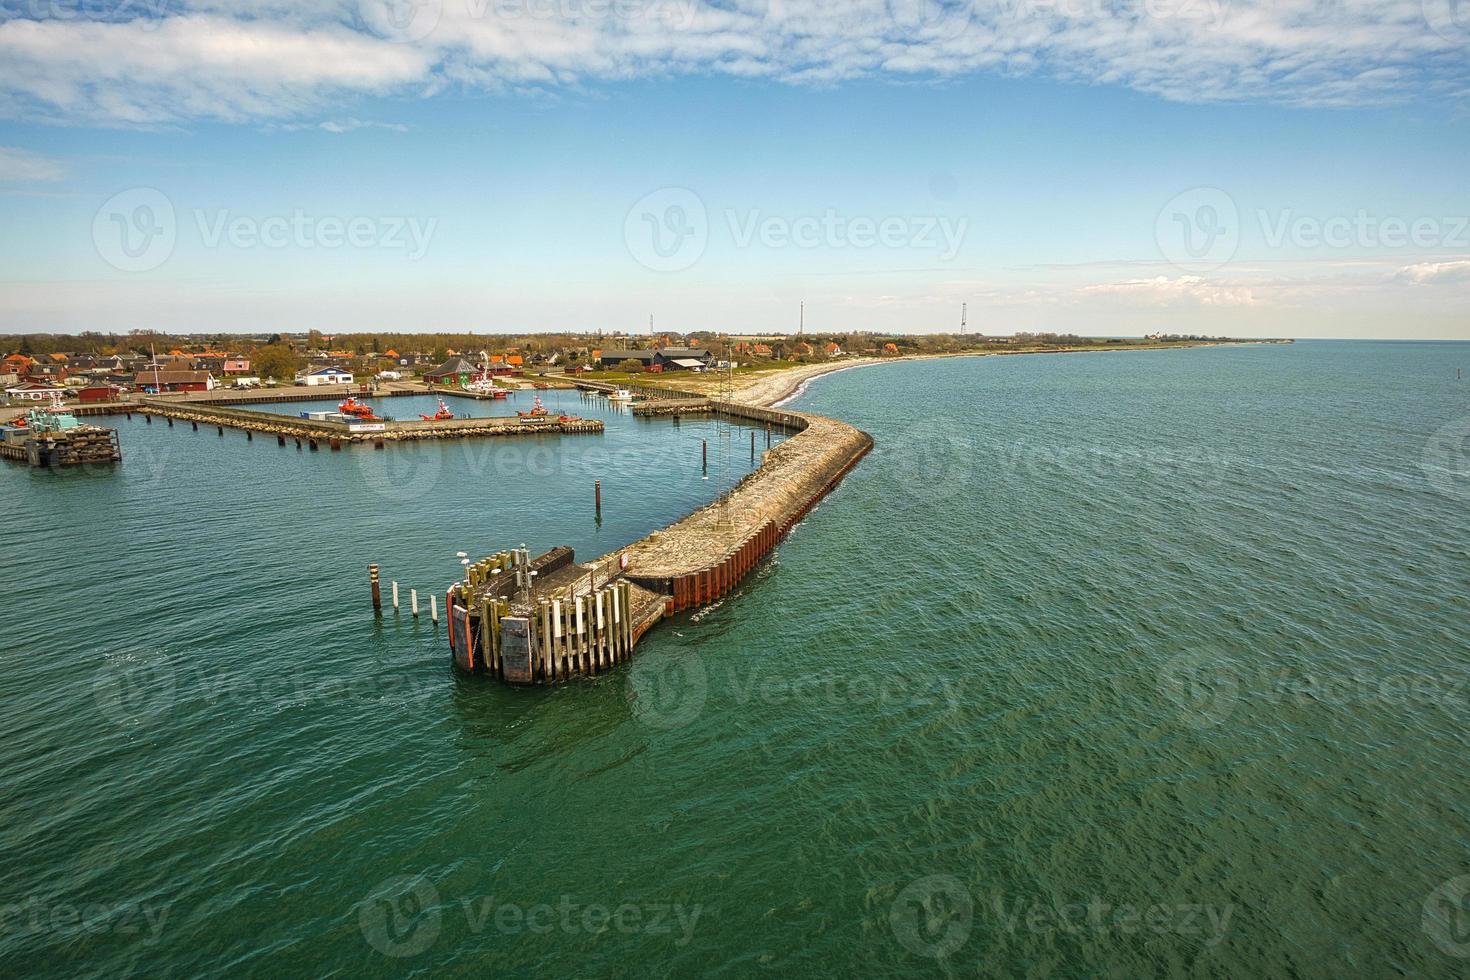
964 317
801 323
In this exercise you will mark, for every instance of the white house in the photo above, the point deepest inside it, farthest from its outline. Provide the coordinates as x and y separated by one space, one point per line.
30 391
325 376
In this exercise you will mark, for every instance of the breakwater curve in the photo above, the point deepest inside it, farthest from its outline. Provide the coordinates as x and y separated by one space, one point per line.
540 620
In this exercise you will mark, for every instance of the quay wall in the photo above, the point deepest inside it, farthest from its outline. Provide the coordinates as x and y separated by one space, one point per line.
299 428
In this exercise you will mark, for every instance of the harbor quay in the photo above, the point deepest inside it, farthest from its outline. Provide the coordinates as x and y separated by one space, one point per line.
551 618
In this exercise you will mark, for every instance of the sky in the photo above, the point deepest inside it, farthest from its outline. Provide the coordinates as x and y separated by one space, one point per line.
1103 167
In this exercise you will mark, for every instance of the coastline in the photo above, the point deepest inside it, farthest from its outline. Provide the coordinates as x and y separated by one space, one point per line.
776 390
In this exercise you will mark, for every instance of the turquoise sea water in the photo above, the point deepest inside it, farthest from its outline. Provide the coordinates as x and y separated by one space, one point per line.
1109 664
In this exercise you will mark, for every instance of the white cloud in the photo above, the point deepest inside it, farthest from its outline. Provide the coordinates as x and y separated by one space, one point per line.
17 165
1180 291
259 59
343 126
1457 270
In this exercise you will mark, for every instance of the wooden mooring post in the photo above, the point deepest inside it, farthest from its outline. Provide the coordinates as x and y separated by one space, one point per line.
395 596
377 592
597 495
413 601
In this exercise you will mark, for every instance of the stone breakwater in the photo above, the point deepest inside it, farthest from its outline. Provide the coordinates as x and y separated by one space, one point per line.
574 619
285 426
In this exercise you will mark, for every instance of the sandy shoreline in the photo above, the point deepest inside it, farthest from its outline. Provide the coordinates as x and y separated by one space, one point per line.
771 391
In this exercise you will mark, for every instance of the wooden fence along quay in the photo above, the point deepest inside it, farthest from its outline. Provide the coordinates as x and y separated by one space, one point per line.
550 618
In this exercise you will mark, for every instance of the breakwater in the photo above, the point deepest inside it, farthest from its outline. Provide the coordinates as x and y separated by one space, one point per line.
340 433
551 618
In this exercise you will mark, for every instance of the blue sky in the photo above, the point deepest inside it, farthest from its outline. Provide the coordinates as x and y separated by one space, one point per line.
1191 166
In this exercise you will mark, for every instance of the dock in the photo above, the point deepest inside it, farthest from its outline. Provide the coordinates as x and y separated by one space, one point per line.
551 618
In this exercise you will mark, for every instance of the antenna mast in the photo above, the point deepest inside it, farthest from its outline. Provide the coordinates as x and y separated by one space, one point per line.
964 317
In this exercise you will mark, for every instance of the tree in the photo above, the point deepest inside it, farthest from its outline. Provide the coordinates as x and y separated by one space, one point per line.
275 361
631 365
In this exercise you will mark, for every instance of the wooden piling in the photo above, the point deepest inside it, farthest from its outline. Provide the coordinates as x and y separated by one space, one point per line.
195 425
434 606
280 440
413 600
377 592
597 495
752 445
395 595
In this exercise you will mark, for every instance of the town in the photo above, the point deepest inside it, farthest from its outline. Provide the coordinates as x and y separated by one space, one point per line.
95 367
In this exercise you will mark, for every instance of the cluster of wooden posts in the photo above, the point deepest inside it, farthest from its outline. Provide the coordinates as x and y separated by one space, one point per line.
72 447
567 635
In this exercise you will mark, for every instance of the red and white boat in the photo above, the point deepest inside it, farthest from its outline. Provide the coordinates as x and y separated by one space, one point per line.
538 411
440 416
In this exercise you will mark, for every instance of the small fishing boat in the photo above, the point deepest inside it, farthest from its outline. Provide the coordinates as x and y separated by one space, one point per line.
620 395
538 411
440 416
358 410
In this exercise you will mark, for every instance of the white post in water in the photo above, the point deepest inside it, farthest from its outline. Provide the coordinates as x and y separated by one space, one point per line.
434 606
413 598
395 595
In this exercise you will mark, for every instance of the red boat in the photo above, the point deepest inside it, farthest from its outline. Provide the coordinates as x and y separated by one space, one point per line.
443 414
357 409
537 411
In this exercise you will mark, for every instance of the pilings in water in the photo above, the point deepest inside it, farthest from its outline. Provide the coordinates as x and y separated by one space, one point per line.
377 593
